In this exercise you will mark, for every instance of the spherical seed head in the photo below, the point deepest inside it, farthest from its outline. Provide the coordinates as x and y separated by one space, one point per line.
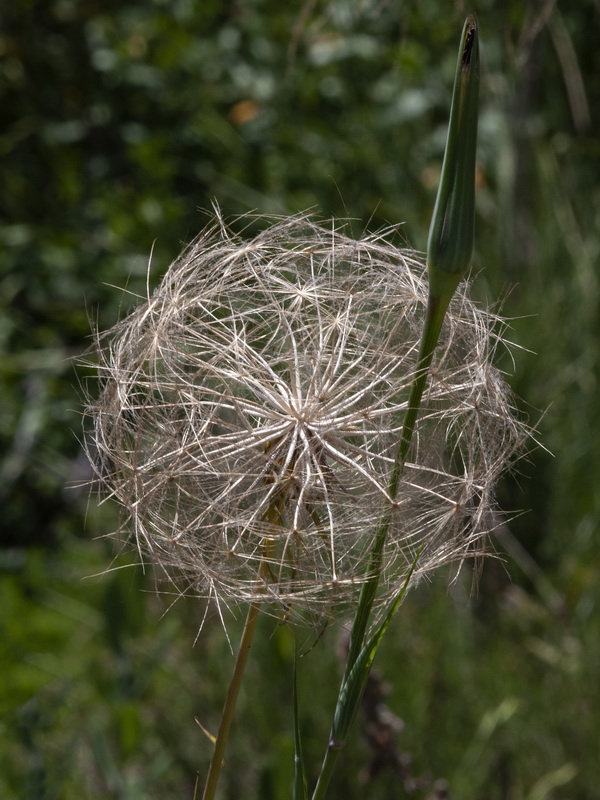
250 412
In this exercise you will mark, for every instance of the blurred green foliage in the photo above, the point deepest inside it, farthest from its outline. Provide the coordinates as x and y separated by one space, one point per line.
120 120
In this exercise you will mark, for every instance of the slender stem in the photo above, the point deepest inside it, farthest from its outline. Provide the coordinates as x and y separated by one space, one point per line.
230 702
436 311
329 762
449 249
437 305
273 514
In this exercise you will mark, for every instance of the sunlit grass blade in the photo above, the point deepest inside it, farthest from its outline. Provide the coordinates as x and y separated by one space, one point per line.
300 791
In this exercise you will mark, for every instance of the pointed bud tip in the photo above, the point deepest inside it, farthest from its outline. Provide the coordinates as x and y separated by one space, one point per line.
450 241
470 40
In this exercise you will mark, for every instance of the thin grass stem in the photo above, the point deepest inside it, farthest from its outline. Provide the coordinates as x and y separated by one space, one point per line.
273 514
230 701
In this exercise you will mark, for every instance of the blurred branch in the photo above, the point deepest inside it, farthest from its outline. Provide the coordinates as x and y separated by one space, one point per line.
531 569
573 78
531 30
297 31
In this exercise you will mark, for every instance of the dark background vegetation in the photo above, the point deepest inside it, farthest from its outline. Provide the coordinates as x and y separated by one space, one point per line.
120 121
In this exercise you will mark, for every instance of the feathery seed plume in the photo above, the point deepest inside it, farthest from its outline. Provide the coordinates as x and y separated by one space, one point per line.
250 410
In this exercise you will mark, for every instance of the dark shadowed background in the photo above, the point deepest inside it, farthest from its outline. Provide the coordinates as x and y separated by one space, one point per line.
121 123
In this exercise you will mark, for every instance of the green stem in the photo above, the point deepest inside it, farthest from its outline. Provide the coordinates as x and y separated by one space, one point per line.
436 311
329 762
449 248
273 514
437 305
230 702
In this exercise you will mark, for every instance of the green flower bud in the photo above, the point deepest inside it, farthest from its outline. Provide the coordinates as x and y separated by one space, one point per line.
450 242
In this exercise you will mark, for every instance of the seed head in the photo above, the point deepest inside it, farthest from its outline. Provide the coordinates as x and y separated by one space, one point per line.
250 410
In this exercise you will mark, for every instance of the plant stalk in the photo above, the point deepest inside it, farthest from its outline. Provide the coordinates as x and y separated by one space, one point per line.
230 702
274 515
449 248
436 311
